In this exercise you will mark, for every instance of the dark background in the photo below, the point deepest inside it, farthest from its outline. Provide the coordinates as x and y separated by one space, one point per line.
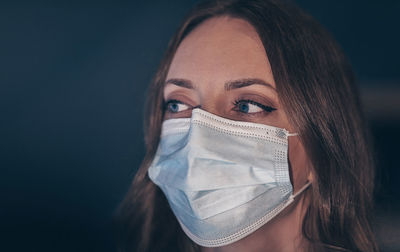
72 85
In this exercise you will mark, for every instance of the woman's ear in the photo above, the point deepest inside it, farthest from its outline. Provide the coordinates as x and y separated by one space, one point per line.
310 177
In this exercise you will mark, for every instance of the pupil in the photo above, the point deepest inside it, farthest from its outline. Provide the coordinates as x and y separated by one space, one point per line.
174 107
244 107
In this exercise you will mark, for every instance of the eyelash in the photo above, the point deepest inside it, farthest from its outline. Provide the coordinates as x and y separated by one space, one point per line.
171 101
262 106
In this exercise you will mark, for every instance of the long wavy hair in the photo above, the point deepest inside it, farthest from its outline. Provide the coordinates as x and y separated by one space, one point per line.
316 86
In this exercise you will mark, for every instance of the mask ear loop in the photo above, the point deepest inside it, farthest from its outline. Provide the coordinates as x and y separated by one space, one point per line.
308 183
301 189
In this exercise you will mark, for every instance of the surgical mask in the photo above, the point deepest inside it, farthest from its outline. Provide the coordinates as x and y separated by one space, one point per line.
223 179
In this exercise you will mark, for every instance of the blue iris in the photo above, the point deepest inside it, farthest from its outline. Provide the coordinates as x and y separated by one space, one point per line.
173 107
244 107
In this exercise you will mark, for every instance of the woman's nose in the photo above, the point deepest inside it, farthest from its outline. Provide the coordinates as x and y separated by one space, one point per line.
213 105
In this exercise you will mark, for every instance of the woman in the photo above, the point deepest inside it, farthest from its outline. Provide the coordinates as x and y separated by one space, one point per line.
255 139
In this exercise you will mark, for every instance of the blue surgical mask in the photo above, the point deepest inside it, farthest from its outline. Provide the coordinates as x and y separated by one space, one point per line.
223 179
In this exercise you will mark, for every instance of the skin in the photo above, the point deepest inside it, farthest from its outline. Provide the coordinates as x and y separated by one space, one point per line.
219 51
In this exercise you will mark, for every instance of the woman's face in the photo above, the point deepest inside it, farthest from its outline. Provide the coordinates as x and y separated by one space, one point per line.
222 67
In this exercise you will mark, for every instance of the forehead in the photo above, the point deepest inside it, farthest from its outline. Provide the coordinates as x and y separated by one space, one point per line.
221 49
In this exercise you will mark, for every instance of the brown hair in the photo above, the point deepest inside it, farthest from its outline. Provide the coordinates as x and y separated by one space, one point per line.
316 86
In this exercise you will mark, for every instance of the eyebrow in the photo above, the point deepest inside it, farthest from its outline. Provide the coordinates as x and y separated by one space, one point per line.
235 84
181 83
245 83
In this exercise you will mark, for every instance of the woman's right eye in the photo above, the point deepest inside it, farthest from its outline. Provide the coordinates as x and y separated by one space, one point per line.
175 106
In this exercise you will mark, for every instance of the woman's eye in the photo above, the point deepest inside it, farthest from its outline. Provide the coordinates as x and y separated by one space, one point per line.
251 107
175 106
247 108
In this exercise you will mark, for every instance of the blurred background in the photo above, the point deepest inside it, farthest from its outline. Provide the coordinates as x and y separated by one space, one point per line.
73 77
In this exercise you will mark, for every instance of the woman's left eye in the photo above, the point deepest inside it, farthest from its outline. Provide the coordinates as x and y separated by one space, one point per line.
251 107
175 106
